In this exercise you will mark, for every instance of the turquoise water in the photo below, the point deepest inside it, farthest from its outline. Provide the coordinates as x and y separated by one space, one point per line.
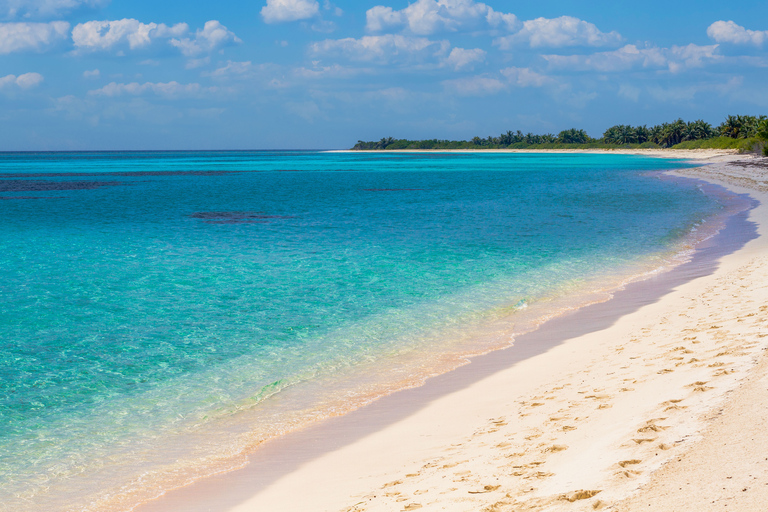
162 312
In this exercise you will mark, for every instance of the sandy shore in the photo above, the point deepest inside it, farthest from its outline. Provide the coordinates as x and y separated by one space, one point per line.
638 414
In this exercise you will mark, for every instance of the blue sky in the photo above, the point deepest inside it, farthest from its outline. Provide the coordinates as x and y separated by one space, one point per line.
313 74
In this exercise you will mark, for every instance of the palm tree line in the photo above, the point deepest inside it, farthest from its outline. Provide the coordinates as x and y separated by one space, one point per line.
662 135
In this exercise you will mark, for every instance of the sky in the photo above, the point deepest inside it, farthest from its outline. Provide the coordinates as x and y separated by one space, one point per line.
322 74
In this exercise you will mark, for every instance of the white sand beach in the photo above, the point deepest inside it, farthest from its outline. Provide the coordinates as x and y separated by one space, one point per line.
661 407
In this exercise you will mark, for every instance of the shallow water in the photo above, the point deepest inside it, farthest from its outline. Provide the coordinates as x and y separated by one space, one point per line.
163 312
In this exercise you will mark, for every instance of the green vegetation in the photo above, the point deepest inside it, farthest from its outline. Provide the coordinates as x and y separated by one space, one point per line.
762 134
744 133
743 145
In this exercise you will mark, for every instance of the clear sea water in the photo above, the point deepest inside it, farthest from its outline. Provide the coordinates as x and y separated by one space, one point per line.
163 313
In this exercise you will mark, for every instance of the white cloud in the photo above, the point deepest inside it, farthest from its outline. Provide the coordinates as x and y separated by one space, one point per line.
630 56
25 81
103 35
622 59
558 32
212 37
232 68
730 32
106 35
168 90
17 37
334 71
95 73
384 48
44 8
277 11
525 77
691 56
510 77
328 6
425 17
460 58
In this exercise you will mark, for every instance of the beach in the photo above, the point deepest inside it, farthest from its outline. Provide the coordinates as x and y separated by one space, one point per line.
652 400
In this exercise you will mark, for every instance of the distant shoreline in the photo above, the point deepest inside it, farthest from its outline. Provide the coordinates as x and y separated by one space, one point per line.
693 154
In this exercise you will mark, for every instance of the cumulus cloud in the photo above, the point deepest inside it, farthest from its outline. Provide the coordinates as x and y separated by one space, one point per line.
104 35
730 32
675 59
425 17
18 37
557 33
460 58
385 48
11 9
213 36
691 56
168 90
25 81
94 73
277 11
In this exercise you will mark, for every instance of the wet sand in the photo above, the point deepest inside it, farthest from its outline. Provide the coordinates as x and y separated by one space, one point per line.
591 409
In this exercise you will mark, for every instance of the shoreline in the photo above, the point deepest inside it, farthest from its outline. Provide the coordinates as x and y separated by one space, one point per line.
699 155
401 424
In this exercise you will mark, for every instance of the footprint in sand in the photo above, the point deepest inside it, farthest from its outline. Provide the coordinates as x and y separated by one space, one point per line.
625 463
643 440
555 448
413 506
578 495
652 428
540 475
486 489
699 386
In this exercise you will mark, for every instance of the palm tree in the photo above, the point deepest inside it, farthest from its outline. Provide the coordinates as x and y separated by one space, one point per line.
643 134
698 130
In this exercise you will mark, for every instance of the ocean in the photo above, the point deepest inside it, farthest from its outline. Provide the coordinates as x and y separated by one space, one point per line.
163 313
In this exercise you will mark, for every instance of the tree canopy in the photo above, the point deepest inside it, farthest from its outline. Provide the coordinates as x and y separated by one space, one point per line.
663 135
